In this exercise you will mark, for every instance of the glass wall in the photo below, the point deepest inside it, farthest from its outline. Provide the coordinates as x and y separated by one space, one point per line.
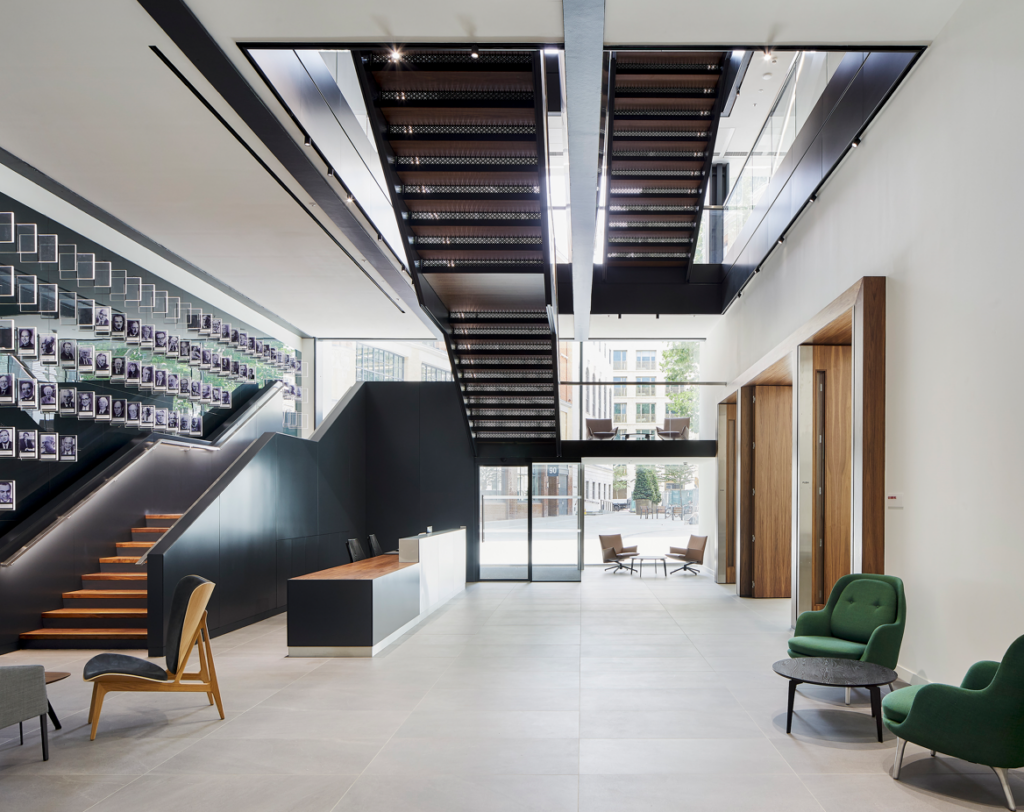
504 523
556 525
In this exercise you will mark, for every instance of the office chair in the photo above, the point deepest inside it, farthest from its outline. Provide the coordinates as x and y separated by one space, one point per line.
355 550
375 546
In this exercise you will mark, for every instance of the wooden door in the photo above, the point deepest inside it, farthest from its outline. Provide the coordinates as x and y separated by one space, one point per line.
730 493
773 491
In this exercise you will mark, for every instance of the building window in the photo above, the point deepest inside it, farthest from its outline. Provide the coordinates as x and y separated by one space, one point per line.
645 412
619 360
646 359
429 373
620 391
619 415
375 364
647 389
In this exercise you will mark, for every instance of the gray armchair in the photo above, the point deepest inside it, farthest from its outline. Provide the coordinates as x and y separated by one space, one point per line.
676 428
601 429
23 696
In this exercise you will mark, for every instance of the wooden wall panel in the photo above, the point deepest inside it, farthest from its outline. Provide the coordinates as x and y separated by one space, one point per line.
773 491
870 336
836 478
745 500
730 493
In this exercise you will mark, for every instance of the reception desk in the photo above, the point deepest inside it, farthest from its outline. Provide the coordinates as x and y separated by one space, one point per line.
358 609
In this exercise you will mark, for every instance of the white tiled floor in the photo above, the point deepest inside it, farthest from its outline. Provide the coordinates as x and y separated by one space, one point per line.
612 694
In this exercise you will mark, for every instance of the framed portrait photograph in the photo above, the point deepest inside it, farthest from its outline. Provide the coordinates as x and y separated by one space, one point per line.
28 393
103 407
7 494
195 357
195 428
234 337
102 316
206 325
258 349
206 359
172 422
184 386
118 326
67 400
148 418
215 396
134 412
48 446
27 342
215 361
185 349
6 389
160 379
252 372
133 331
225 398
243 340
234 368
47 396
133 373
206 395
172 382
48 348
160 420
250 348
118 410
194 321
68 448
28 444
6 441
225 333
86 405
195 391
160 342
172 346
148 333
215 327
225 365
68 353
86 358
243 371
86 314
103 363
118 367
7 335
147 376
273 356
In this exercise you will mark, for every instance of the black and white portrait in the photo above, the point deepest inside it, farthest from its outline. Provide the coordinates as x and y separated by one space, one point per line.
132 374
225 365
86 404
28 394
206 359
196 425
160 380
27 342
243 340
48 446
195 391
252 372
207 325
86 314
172 346
146 380
48 348
215 327
160 342
86 358
148 415
194 320
258 349
243 372
172 382
27 449
172 421
215 396
251 346
6 441
6 494
69 448
103 407
68 354
133 333
234 337
103 364
234 368
225 398
117 368
196 356
184 386
185 349
118 410
207 393
225 333
117 326
7 335
160 420
148 330
6 389
67 398
134 408
102 320
48 396
215 361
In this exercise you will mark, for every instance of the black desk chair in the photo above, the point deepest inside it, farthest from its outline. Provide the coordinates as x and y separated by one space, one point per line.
375 546
355 550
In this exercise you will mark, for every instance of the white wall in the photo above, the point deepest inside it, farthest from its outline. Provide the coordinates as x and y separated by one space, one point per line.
933 199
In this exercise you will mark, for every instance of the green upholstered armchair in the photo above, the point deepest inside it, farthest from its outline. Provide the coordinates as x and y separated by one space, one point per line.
863 620
982 721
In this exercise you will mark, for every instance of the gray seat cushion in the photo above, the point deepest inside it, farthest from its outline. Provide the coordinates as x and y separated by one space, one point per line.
112 663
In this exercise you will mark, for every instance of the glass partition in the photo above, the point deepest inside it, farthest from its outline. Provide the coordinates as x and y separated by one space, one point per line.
555 547
504 524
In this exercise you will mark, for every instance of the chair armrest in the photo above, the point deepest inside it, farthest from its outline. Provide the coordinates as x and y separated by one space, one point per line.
814 624
884 645
980 675
630 549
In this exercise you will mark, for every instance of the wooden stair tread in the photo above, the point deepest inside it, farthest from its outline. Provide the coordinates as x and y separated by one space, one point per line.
136 544
85 634
92 594
163 515
120 559
150 529
98 612
115 576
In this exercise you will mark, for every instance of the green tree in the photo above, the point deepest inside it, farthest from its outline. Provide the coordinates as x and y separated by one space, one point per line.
681 475
646 485
681 362
620 481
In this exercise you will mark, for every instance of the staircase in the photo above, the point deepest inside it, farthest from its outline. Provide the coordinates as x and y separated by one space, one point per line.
504 363
109 611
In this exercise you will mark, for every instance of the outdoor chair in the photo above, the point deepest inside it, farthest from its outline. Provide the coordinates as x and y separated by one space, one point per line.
691 555
23 697
676 428
601 429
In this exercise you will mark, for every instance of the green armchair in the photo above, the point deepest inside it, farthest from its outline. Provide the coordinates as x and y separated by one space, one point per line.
863 620
982 721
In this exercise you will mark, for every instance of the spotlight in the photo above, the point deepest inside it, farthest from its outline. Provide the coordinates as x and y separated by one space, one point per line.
308 142
781 240
767 55
396 56
475 53
813 198
856 142
620 315
657 315
330 171
350 198
757 269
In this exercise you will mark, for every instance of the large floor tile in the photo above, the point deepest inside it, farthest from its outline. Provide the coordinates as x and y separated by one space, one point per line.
694 793
58 793
462 793
516 724
681 757
268 756
473 756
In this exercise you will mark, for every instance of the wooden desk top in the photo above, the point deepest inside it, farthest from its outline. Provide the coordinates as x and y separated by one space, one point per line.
365 570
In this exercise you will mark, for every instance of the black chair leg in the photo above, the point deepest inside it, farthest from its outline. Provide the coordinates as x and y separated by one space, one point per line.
53 716
21 732
46 737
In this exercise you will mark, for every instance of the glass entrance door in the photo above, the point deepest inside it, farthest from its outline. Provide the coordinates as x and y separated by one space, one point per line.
504 523
555 547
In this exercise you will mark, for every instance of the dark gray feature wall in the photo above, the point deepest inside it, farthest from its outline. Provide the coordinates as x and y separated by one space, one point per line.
391 459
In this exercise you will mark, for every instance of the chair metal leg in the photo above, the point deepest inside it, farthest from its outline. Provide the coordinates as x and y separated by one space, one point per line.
847 696
53 716
901 745
46 737
21 732
1010 803
933 753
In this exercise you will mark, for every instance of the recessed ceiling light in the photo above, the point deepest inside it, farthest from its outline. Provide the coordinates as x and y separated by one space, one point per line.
767 55
767 76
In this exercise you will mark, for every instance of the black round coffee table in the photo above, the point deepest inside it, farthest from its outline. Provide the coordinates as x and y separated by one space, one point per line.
837 673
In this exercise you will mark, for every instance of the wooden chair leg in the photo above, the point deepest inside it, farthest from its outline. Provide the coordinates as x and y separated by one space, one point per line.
97 707
92 703
212 670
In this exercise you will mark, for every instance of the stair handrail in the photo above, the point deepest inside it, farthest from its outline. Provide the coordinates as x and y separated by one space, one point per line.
58 511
